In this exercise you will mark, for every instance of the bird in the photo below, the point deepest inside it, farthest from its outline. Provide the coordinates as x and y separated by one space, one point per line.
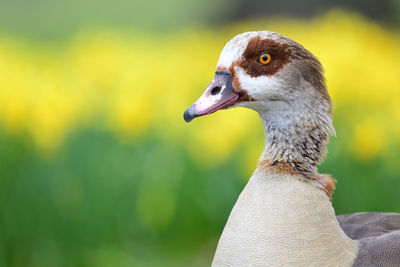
284 215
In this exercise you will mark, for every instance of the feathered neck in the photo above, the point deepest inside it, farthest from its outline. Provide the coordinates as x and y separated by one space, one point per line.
296 138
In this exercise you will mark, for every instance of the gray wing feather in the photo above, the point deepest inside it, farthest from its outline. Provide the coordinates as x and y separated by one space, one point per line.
378 236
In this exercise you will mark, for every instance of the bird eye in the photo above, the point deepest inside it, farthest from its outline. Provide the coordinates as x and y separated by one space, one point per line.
264 58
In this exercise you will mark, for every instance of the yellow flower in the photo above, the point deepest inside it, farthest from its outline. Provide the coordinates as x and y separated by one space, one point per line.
368 139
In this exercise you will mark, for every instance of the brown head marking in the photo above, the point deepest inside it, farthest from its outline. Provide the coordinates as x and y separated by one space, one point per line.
280 55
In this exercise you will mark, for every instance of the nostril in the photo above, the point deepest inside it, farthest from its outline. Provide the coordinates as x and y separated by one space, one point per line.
215 90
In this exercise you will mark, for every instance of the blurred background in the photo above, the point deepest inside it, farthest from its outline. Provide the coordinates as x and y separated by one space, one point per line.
97 166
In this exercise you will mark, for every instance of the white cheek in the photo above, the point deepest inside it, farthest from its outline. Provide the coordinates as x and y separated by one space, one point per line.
258 87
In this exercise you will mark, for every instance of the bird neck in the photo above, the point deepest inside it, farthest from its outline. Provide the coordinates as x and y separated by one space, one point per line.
296 139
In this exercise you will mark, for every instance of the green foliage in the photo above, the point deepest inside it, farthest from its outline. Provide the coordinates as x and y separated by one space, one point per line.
102 198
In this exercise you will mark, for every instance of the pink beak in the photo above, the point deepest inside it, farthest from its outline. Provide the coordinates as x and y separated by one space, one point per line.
218 95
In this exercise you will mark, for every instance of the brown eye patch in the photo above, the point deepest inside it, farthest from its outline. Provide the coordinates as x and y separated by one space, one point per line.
256 47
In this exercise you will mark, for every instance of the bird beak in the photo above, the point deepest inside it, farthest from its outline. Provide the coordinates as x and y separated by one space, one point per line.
218 95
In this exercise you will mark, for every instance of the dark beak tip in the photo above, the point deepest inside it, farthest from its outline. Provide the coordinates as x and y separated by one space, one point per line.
188 116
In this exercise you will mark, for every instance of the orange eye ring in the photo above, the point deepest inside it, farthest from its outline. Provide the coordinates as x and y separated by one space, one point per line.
264 58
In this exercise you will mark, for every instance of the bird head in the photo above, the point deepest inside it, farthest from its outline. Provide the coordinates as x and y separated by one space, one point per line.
266 72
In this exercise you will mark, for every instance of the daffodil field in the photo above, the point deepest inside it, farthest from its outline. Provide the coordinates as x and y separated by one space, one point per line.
98 167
